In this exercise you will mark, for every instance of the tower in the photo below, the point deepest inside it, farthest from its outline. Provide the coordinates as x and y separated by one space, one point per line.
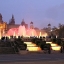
12 21
31 25
49 27
1 21
23 22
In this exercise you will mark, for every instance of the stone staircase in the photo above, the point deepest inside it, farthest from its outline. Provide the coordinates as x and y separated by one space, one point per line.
54 46
33 47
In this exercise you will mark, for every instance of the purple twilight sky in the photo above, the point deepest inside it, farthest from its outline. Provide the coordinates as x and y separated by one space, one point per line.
41 12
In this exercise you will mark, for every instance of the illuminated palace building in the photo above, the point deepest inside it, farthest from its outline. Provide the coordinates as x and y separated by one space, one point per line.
9 29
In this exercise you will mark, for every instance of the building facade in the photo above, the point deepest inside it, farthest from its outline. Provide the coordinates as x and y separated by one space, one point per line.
6 26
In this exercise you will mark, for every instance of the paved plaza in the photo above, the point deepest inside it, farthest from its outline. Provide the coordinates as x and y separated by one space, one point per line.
32 58
42 62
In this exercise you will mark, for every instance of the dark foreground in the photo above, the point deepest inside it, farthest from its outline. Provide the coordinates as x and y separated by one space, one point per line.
32 58
42 62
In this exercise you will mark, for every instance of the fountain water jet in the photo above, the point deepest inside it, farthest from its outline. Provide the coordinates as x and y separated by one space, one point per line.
22 31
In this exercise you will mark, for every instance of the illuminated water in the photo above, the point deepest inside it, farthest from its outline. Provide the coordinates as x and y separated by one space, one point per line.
22 31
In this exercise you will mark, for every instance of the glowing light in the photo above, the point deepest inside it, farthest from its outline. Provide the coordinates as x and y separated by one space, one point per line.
49 42
44 34
57 48
0 34
32 33
40 34
21 30
54 46
9 37
32 47
14 34
3 33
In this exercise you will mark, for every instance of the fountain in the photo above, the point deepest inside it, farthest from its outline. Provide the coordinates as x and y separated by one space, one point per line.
22 31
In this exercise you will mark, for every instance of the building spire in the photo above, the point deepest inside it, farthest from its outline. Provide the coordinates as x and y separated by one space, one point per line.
23 22
31 25
12 16
12 21
1 21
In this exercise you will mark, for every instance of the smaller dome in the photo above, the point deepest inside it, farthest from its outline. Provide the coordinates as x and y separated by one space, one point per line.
31 22
23 22
49 24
